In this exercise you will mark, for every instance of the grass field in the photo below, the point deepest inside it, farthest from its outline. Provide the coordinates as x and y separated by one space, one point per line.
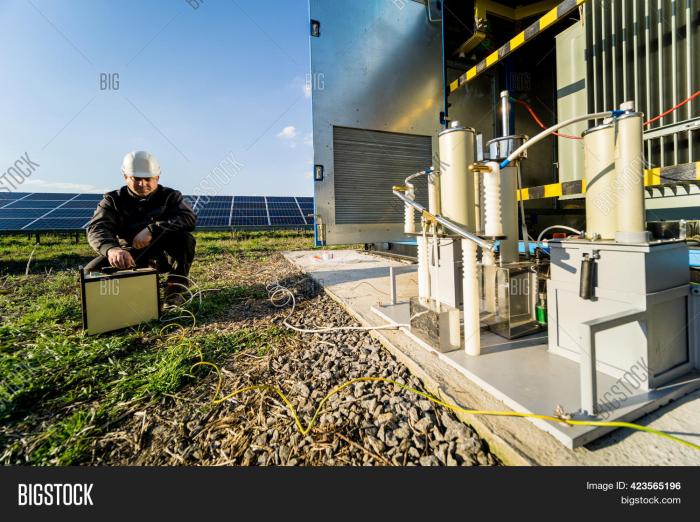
62 389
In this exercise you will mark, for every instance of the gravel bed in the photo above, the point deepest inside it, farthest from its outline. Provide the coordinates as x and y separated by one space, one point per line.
365 424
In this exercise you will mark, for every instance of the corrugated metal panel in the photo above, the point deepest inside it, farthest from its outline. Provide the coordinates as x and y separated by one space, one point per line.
367 164
645 50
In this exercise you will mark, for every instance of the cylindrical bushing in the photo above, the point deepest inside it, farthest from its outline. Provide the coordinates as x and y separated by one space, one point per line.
499 149
629 170
456 180
599 170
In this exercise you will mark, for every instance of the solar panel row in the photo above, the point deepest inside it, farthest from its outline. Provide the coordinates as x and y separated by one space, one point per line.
61 211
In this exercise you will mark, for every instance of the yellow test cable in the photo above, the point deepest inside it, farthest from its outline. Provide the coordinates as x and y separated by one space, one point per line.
305 430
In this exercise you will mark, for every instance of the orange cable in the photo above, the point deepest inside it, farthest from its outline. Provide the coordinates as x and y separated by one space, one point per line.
669 111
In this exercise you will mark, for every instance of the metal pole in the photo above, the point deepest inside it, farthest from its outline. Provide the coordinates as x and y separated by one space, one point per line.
445 86
647 69
505 114
392 285
660 70
449 225
588 377
635 50
602 49
613 52
689 71
674 77
624 54
596 50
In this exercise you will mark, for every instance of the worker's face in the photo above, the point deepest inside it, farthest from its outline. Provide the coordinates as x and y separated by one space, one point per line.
142 186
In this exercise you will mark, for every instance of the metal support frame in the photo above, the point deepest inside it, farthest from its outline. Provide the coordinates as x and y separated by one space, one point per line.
587 365
532 31
484 7
673 128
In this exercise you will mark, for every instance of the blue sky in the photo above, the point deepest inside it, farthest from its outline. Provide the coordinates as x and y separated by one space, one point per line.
217 93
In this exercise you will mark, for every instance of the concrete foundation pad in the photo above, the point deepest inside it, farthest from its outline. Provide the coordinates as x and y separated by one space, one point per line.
526 377
359 282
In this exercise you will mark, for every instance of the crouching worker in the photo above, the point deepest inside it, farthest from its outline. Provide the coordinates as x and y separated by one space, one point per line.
144 224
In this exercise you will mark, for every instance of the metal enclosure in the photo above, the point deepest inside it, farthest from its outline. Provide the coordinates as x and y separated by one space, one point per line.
376 66
646 50
627 284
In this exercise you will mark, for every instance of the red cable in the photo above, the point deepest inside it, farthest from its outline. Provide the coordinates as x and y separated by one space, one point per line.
532 113
694 95
648 122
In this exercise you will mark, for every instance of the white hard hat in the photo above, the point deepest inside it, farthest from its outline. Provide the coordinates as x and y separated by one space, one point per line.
140 164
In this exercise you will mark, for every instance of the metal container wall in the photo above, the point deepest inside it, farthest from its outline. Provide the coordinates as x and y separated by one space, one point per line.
376 91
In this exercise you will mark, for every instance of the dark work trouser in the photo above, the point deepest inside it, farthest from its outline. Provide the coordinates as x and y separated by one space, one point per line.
171 252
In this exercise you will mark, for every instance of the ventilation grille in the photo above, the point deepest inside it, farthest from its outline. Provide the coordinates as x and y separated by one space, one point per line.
367 165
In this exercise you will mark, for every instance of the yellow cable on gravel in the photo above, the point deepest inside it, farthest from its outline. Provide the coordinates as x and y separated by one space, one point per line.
305 430
276 288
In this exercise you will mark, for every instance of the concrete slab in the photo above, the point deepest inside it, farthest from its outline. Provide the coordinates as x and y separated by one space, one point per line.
359 282
528 378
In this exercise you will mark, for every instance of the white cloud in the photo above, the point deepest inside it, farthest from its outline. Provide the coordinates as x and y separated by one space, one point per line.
309 139
288 133
63 186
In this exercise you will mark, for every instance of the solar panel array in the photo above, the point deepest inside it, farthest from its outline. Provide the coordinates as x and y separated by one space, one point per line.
21 211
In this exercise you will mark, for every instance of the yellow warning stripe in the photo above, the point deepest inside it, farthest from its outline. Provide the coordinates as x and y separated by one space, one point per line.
553 190
652 177
553 15
548 19
491 59
517 41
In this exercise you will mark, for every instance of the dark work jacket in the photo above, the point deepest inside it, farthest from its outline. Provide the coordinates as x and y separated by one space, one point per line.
122 214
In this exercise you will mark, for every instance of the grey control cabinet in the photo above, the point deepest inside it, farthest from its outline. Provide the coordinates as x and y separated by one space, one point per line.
649 283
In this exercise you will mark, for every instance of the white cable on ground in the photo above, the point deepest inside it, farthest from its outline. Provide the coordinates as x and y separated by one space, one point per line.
192 297
281 296
26 272
177 308
562 227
